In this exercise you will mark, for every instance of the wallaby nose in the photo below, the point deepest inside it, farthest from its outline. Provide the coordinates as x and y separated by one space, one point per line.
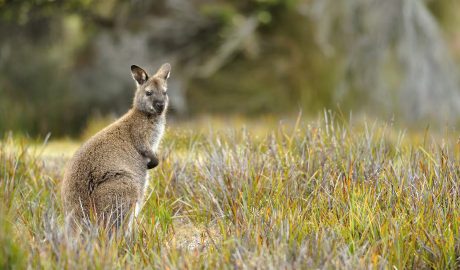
159 106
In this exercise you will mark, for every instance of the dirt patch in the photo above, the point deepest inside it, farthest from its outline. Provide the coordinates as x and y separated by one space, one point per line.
193 237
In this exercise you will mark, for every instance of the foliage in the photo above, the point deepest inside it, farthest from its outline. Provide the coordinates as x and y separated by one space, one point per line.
304 194
61 62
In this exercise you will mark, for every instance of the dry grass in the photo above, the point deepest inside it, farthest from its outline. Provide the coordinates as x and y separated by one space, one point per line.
308 194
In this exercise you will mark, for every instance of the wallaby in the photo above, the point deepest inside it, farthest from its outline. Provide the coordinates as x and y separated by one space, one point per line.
107 176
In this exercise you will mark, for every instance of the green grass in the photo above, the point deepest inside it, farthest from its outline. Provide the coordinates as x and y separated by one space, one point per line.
304 194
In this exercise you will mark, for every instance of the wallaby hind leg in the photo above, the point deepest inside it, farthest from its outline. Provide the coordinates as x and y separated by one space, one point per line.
114 201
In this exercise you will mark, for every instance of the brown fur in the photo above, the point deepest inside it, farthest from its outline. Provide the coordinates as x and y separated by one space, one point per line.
107 175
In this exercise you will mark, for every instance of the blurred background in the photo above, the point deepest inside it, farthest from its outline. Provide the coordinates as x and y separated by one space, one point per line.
63 63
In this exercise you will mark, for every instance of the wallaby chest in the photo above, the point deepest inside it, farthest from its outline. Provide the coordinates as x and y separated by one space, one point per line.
157 133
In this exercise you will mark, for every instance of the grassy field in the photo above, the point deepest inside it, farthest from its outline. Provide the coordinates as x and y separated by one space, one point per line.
297 194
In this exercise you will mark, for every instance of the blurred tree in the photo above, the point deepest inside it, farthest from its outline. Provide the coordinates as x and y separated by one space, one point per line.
394 53
62 62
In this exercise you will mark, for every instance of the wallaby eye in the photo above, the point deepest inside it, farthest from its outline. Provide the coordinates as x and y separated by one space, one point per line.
149 93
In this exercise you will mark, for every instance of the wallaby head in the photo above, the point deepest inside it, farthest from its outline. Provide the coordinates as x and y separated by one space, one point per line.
151 96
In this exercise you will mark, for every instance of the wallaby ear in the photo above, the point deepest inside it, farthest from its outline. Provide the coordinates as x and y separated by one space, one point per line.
139 75
164 71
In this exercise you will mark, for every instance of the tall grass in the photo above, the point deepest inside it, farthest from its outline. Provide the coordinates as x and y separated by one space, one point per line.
313 194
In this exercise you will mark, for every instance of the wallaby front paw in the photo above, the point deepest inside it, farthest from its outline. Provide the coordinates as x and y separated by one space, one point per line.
153 162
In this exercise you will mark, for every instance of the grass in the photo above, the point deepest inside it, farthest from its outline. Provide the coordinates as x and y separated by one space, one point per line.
304 194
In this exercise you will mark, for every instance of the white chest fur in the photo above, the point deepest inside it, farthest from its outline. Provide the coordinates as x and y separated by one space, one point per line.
158 131
157 135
